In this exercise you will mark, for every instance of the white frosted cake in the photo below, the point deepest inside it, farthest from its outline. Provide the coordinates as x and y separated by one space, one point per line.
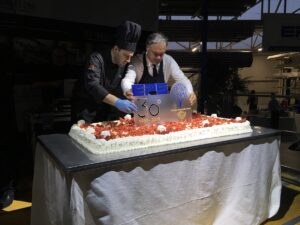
123 135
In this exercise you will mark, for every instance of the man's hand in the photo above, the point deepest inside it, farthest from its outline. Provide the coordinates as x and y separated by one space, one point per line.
129 95
192 98
126 106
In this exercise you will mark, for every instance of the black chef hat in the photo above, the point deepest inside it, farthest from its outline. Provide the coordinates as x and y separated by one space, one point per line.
127 35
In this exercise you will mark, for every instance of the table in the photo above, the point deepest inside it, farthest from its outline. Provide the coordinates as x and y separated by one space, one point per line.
232 180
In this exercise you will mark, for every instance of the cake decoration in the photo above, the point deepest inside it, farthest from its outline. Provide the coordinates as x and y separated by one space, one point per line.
124 135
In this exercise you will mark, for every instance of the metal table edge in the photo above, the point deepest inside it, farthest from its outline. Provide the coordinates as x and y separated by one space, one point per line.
94 165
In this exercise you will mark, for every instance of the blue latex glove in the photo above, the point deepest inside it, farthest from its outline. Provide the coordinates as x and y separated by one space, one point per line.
126 106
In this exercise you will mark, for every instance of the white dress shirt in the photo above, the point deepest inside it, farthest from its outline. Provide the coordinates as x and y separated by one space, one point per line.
170 68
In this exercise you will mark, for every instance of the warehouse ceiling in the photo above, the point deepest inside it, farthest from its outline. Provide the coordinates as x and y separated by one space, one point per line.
195 7
190 61
217 30
176 30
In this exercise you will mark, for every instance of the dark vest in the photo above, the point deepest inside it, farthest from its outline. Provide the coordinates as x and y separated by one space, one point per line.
147 78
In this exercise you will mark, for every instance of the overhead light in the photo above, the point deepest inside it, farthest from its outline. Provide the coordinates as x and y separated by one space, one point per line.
195 48
282 55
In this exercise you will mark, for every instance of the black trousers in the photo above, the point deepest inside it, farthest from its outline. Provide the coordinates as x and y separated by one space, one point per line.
275 119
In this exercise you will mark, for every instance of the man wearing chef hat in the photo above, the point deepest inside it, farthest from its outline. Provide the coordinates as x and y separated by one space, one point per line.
97 94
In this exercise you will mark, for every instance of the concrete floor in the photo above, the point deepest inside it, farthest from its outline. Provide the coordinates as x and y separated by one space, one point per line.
289 211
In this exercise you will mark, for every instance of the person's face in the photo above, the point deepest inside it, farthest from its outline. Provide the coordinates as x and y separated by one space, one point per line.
121 56
155 52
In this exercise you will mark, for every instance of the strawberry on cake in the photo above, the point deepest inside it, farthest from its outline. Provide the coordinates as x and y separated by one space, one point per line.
123 135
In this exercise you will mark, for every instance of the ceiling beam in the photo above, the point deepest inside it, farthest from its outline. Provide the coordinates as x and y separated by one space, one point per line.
218 30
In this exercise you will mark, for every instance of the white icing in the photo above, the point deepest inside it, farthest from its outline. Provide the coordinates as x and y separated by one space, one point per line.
214 115
127 117
90 130
161 128
188 126
204 122
105 133
238 118
102 146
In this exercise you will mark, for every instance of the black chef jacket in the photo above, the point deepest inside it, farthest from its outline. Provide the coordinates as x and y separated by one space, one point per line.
100 78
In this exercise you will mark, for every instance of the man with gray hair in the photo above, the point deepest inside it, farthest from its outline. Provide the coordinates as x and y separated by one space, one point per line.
154 66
